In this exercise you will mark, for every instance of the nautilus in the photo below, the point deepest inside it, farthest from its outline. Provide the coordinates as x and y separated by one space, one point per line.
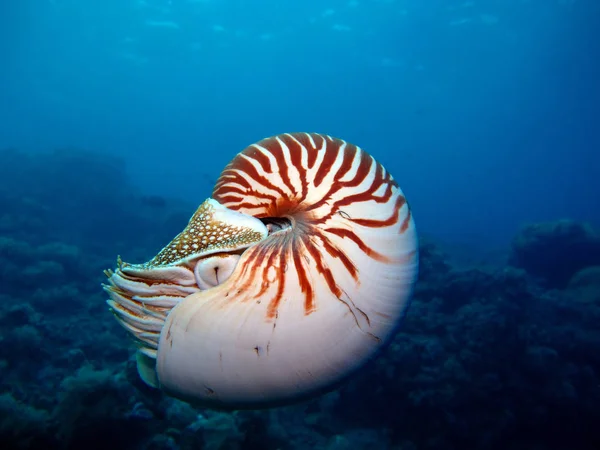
293 275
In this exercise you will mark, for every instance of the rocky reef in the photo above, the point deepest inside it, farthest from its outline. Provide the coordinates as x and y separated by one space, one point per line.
554 251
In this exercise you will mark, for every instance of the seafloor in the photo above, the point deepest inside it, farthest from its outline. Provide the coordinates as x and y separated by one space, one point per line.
497 352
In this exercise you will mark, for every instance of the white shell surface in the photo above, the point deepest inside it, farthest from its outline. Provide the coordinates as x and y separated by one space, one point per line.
309 304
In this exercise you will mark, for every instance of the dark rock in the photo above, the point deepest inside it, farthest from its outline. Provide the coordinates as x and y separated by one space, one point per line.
554 251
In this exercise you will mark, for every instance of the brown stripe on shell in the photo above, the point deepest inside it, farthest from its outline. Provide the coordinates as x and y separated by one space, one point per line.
310 228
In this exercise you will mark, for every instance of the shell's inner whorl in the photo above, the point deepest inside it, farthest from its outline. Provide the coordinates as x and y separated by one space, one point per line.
202 256
329 192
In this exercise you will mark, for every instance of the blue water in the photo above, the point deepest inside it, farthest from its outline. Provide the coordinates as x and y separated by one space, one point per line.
486 112
117 117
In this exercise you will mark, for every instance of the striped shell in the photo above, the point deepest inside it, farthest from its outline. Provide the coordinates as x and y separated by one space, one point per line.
289 279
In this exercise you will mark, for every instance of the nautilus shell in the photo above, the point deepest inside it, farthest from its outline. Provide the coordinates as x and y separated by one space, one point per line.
292 276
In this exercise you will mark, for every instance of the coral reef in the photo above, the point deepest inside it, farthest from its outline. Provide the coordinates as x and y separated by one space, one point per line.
555 251
487 358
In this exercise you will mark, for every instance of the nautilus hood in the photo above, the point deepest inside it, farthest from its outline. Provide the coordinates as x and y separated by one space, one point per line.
295 272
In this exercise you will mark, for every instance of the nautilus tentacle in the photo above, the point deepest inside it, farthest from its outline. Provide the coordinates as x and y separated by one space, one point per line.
200 257
303 303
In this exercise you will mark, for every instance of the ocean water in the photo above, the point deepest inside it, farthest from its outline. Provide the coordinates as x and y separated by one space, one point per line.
117 118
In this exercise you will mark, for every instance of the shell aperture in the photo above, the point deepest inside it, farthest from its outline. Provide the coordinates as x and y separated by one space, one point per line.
294 310
201 256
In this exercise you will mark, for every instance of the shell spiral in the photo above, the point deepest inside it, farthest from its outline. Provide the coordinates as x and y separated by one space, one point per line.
310 298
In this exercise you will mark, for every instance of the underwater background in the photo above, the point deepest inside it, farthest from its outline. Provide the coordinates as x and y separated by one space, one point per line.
117 117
